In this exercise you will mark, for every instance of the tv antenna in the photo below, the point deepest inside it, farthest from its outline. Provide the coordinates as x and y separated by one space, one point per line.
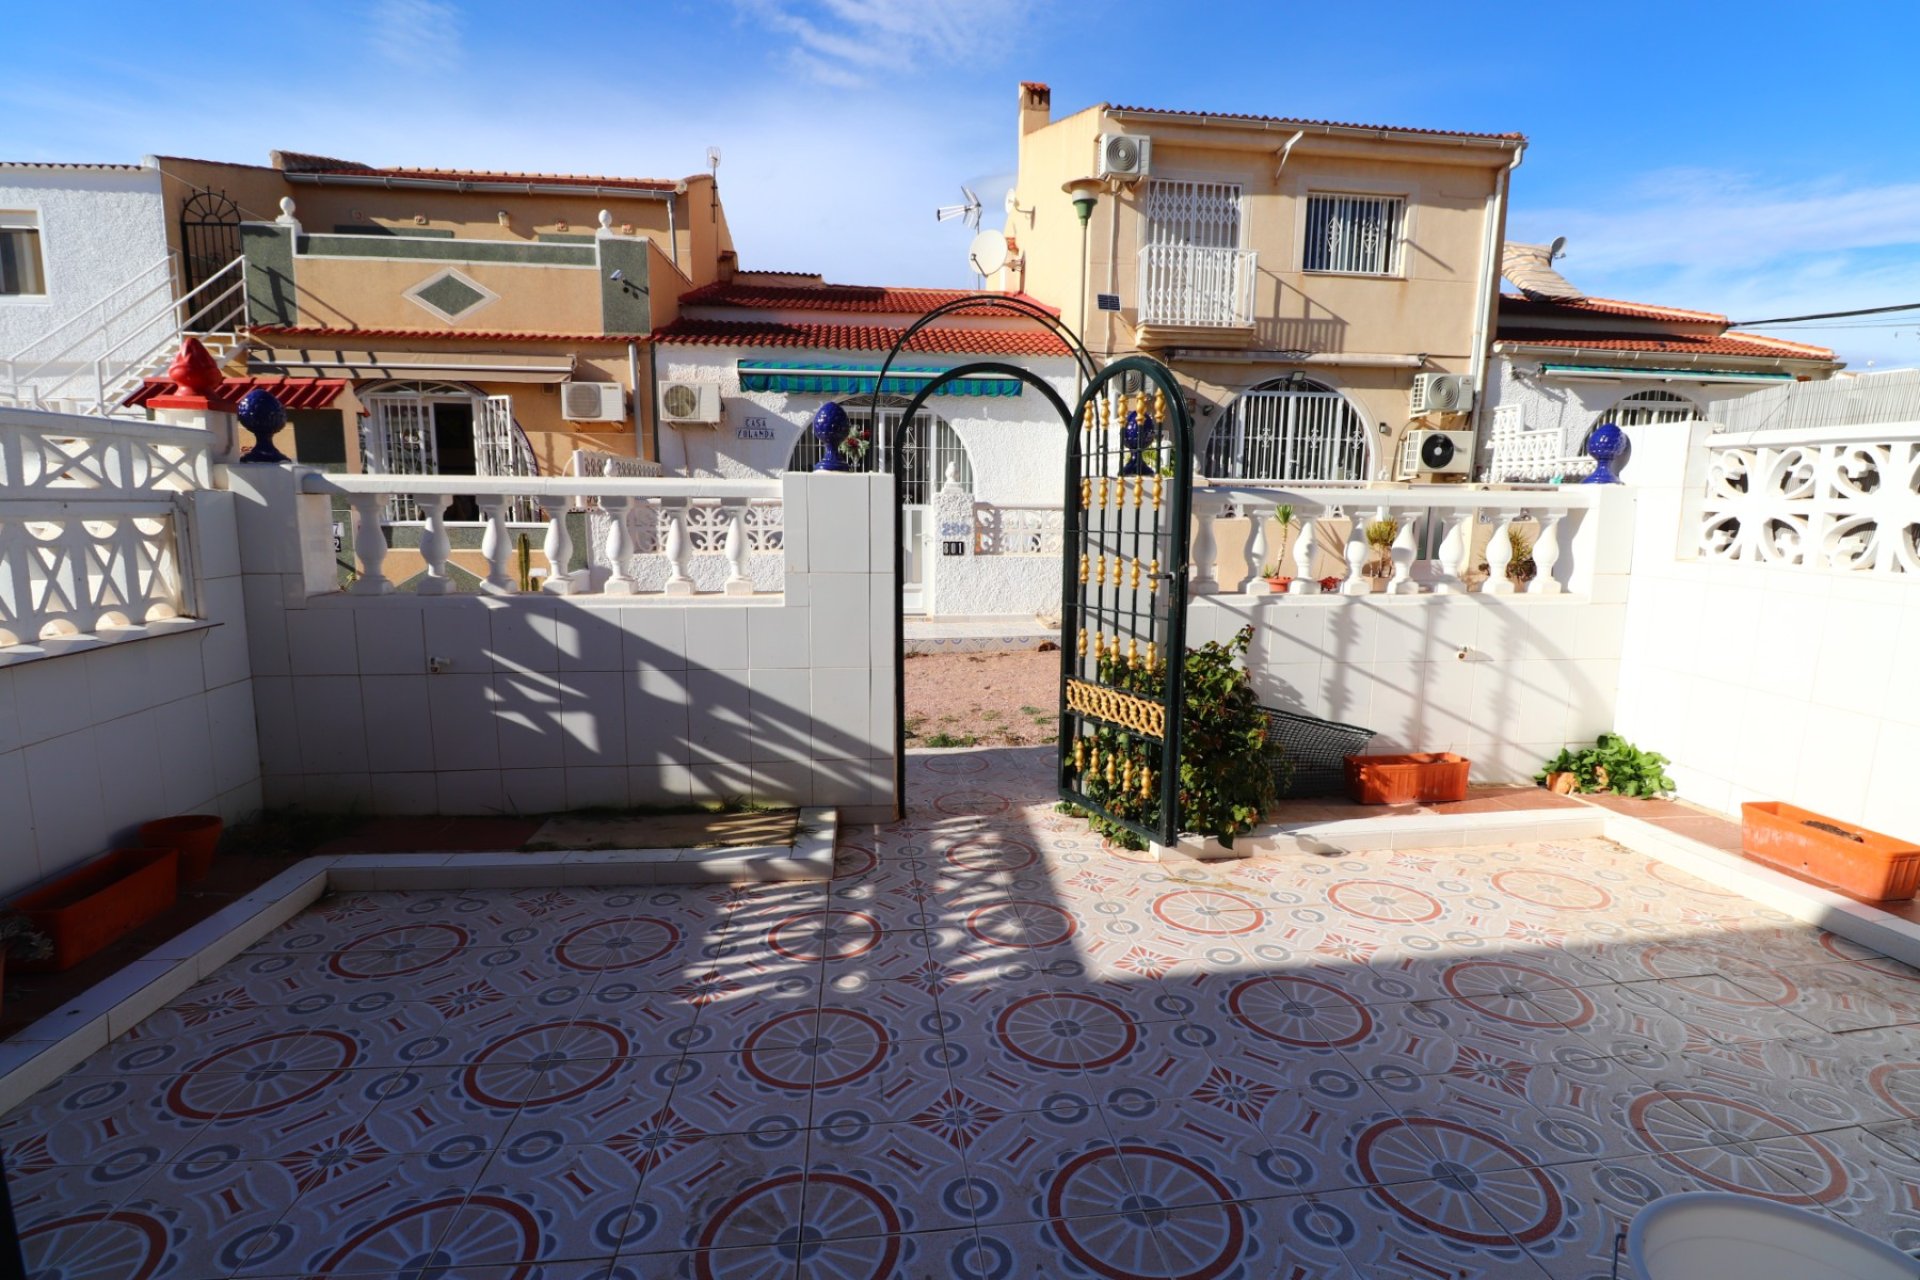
968 211
713 161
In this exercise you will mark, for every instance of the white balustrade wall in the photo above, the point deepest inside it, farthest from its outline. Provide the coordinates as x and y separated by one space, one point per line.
125 691
1430 651
1770 640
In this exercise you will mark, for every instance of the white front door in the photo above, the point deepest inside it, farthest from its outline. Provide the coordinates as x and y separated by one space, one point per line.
913 558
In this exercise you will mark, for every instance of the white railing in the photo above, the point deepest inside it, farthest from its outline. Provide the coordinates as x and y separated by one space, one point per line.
1018 531
1461 527
1840 499
90 523
1520 454
1185 285
1871 399
54 454
729 515
593 462
96 370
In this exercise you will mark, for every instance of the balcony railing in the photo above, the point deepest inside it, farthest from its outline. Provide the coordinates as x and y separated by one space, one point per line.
1181 285
728 520
1443 535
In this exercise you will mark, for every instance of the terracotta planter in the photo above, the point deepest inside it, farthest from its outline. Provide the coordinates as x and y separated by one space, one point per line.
1862 863
87 909
1425 778
194 835
1279 585
1563 784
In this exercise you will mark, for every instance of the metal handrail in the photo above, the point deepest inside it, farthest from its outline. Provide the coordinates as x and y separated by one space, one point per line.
82 314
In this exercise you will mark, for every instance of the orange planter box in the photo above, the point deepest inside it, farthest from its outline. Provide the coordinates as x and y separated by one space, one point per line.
87 909
1875 867
1434 777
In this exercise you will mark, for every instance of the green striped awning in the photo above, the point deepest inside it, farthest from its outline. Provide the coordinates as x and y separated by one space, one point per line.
858 379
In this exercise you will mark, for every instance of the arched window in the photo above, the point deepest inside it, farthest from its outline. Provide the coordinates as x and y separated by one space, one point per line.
1649 408
921 452
1290 429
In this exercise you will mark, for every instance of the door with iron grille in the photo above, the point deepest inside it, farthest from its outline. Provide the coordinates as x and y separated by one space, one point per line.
209 237
1124 599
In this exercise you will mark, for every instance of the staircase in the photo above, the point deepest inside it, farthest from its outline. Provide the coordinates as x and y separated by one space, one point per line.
93 361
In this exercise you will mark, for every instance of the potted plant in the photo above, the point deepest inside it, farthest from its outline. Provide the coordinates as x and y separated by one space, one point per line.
1856 861
1330 584
1380 536
194 835
19 939
1610 764
1521 569
86 909
1428 777
1276 579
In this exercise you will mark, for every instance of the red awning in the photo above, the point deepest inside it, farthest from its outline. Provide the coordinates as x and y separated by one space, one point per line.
293 393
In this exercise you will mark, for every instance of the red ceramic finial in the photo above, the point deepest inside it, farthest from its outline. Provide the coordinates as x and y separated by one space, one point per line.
193 371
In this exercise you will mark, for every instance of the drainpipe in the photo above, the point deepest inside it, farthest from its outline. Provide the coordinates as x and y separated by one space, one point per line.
1489 289
673 236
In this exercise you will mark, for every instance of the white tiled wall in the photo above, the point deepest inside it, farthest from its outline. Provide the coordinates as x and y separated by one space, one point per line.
1502 680
1769 684
548 702
98 739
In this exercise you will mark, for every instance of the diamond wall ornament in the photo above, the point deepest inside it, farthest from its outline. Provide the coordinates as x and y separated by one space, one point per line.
451 294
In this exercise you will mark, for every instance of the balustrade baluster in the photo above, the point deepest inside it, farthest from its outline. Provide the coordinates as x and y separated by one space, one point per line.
673 511
619 548
1499 556
738 583
1303 548
1404 543
558 549
1450 576
1357 583
1204 580
495 546
369 544
1546 554
434 546
1256 552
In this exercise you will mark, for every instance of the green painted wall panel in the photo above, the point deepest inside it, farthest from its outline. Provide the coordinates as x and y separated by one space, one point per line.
268 248
430 250
624 307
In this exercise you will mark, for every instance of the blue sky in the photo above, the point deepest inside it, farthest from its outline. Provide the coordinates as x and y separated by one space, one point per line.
1759 159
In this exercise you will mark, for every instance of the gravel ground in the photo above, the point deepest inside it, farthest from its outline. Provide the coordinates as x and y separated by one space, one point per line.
982 699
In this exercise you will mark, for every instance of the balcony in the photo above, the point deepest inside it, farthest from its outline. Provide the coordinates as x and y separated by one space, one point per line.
1198 296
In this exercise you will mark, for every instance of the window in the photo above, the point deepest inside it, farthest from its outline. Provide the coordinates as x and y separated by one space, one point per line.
21 271
1359 235
1649 408
1197 215
922 458
1292 429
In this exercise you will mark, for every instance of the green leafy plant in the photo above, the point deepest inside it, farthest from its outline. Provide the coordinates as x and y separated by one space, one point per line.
1381 533
945 739
1612 764
1521 568
19 939
1226 778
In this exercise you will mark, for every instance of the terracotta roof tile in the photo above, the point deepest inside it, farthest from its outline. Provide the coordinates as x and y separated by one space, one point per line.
293 393
874 299
322 165
1331 124
1517 304
1744 344
858 337
461 335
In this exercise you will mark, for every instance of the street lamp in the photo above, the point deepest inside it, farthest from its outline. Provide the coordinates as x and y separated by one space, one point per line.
1086 194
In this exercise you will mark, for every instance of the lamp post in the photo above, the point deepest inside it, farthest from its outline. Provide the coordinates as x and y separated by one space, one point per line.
1086 194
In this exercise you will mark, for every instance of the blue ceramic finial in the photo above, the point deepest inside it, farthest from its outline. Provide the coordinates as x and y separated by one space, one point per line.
830 428
262 413
1604 444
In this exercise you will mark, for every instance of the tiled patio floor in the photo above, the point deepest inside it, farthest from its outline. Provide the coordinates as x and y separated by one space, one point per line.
991 1048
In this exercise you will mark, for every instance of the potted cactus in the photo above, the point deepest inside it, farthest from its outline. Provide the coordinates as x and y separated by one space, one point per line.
20 939
1380 536
1521 569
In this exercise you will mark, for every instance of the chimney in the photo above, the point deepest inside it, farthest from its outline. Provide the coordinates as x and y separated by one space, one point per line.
728 265
1036 106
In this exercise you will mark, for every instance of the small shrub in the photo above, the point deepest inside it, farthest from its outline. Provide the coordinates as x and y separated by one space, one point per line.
1612 764
945 739
19 939
1226 779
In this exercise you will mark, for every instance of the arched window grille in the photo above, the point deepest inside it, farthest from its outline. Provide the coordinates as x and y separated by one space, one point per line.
921 452
1290 429
1649 408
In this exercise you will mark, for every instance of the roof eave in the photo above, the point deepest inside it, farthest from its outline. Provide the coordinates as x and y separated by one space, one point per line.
1432 138
487 184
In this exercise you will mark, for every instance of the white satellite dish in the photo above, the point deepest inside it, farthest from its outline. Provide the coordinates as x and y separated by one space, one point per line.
988 252
1556 250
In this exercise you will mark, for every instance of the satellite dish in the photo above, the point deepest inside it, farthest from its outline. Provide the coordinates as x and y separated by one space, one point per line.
969 210
988 252
1558 249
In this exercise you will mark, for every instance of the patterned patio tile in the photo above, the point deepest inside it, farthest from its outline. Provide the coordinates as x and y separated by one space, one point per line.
725 1192
1421 1230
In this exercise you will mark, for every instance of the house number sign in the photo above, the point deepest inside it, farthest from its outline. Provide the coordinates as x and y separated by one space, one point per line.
754 429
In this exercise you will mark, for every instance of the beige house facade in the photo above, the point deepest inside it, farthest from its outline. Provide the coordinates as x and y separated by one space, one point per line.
1298 276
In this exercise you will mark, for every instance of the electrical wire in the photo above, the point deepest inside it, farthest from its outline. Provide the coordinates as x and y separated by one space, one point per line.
1829 315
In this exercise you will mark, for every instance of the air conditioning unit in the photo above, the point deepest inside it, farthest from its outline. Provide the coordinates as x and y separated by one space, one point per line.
593 402
690 403
1442 393
1124 155
1436 453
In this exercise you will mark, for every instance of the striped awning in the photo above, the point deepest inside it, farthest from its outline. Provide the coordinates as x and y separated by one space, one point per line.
813 378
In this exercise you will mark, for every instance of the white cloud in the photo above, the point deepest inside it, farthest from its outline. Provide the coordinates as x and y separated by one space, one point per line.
423 35
847 44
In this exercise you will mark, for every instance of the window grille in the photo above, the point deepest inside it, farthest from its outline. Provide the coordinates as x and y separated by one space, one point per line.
1649 408
1199 215
1302 432
922 458
1359 235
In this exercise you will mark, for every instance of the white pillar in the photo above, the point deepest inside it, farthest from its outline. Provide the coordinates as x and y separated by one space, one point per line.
738 582
1303 547
1450 578
369 544
1499 556
1204 580
1357 583
558 549
434 547
495 547
673 511
1256 553
1404 543
619 547
1546 554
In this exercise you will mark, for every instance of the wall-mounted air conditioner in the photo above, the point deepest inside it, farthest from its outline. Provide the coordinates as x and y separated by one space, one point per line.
1124 155
593 402
1442 393
692 404
1436 453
